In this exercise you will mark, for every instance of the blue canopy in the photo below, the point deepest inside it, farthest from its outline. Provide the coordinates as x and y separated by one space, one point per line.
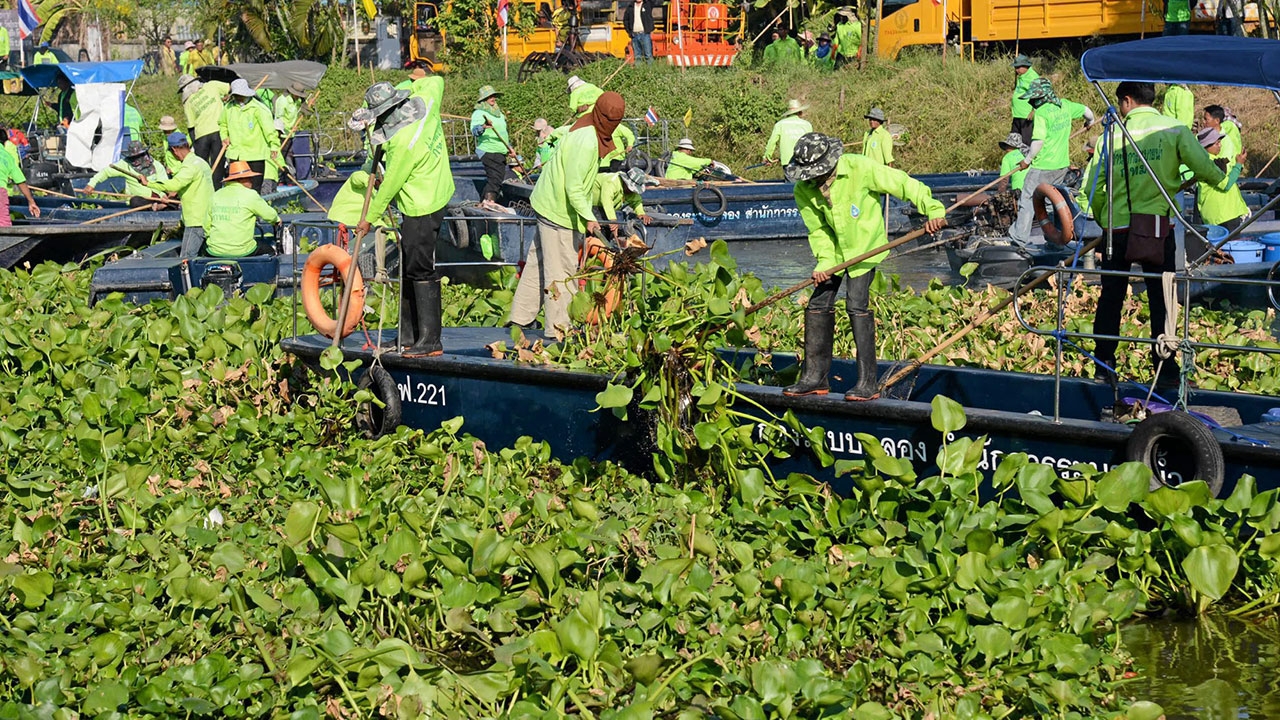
1189 59
121 71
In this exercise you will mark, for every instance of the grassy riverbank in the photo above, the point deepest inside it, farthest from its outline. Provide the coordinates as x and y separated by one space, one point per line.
954 111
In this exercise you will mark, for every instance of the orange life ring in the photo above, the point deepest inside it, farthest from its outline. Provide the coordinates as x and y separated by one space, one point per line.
592 247
320 258
1045 191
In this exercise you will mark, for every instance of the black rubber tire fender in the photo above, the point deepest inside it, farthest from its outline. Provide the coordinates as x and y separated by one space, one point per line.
460 233
717 193
376 421
1193 436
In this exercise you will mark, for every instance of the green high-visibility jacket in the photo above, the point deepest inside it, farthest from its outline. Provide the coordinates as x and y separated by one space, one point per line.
417 174
784 136
492 139
623 140
852 222
235 211
44 58
1052 126
586 94
131 185
1222 202
133 121
348 202
431 89
194 184
848 39
783 50
1166 143
204 109
285 110
1180 104
564 190
1021 108
1008 163
877 145
683 166
1177 11
10 170
608 194
4 43
250 129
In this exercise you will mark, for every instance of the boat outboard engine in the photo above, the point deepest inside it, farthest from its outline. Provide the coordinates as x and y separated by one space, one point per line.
999 265
223 273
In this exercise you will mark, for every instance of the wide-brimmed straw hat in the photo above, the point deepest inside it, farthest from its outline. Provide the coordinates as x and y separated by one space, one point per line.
793 107
297 90
239 170
167 123
815 155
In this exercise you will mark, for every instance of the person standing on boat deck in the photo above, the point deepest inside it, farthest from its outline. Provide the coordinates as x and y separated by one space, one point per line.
1215 116
419 181
839 199
11 174
248 131
193 183
877 143
1013 157
547 142
1140 208
234 213
1221 204
562 201
168 160
493 145
62 105
1023 76
1049 154
1180 104
202 106
285 111
612 190
140 163
683 165
786 132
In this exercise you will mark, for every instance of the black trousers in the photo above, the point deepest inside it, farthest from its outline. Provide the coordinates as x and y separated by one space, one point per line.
1023 127
418 246
857 298
1106 320
208 147
495 171
258 166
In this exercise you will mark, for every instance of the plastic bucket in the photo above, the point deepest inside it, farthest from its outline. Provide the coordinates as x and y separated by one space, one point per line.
1272 253
1245 251
1215 233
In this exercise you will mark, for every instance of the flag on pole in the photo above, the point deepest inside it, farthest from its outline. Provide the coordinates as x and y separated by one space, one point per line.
504 10
688 118
651 116
28 20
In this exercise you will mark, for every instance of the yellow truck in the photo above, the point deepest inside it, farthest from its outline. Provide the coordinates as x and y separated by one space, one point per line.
933 22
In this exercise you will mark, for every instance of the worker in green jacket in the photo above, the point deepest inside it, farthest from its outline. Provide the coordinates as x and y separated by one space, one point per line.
234 214
562 200
285 109
140 165
1140 204
493 144
1012 160
1023 76
249 133
419 181
1180 104
547 141
133 121
823 54
786 132
582 96
193 184
11 175
839 198
612 190
683 165
44 56
1215 116
4 48
1177 17
1049 154
202 105
848 40
1221 204
877 143
783 50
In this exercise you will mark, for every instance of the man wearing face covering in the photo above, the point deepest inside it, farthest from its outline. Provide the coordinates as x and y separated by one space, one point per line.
562 200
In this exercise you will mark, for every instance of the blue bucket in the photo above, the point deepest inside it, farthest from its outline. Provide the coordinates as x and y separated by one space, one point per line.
1245 251
1272 253
1215 233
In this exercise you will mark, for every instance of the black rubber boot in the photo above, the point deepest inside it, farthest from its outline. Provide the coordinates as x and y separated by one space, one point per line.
426 303
864 343
819 329
408 330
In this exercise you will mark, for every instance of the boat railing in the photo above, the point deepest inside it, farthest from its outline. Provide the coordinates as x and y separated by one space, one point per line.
1186 345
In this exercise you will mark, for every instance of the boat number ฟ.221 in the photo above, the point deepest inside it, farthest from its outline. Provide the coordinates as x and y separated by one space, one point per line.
422 393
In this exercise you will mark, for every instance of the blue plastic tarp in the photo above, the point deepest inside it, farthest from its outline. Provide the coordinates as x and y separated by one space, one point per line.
119 71
1189 59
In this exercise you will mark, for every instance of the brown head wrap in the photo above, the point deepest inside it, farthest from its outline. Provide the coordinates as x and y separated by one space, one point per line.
604 117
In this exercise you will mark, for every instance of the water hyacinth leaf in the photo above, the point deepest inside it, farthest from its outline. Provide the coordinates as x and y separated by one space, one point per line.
1035 482
645 668
1211 569
616 398
947 415
745 707
33 588
751 486
1011 611
578 636
1269 546
331 358
1242 497
1126 484
774 681
106 696
487 687
1167 502
300 523
720 255
1144 710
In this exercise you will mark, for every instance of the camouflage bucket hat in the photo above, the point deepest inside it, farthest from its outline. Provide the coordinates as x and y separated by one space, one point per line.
382 98
1041 92
815 155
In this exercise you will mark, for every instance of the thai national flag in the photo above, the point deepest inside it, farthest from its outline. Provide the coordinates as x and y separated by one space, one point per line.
28 20
504 9
651 116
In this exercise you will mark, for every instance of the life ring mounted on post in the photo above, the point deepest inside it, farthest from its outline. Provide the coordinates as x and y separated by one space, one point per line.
317 261
1062 209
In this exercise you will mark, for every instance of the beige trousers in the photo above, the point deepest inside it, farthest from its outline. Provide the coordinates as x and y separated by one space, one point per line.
547 278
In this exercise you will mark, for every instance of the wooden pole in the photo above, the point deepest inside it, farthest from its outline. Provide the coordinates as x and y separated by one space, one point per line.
982 317
124 196
54 193
355 252
1264 167
621 65
116 215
